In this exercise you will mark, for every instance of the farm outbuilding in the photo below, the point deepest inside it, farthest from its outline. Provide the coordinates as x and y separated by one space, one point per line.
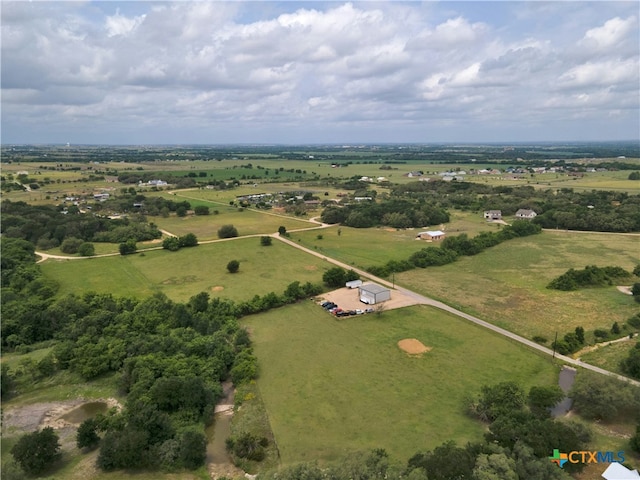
431 235
372 293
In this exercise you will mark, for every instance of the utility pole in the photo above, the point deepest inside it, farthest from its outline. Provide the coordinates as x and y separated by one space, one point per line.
554 347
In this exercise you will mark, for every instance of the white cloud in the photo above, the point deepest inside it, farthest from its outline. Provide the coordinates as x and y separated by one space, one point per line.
610 34
367 67
120 25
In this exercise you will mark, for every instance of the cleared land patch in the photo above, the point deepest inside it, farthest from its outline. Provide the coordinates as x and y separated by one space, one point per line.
413 346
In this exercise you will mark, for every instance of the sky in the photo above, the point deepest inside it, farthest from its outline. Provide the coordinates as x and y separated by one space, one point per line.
202 72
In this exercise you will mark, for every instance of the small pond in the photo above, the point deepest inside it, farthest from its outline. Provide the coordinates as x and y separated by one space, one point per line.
85 411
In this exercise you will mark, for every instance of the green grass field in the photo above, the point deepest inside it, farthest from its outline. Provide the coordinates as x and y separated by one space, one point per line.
505 285
247 222
610 356
189 271
384 244
332 386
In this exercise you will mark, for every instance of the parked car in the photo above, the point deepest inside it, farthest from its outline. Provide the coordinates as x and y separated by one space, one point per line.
368 310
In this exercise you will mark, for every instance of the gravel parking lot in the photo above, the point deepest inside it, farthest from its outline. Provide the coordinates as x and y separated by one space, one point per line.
348 299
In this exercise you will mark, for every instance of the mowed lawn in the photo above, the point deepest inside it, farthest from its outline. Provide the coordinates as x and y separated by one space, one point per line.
333 386
189 271
506 284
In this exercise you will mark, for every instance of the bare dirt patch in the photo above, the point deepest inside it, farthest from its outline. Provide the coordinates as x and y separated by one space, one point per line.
625 290
413 347
217 288
311 268
49 414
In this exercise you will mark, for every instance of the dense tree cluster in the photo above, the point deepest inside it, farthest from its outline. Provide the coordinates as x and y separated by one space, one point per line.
598 210
173 244
631 364
600 397
337 276
396 213
455 246
590 276
48 227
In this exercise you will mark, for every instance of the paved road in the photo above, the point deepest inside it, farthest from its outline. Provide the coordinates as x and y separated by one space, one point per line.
442 306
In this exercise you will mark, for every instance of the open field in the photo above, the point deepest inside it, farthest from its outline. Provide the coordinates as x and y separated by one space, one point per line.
189 271
247 222
331 386
364 247
505 285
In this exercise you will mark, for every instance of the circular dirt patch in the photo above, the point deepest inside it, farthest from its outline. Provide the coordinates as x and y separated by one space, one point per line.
311 268
413 346
218 288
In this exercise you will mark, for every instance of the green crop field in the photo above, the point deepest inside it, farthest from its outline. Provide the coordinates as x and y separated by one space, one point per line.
505 285
189 271
332 386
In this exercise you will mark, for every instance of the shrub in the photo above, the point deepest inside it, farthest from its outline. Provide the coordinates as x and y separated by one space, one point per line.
70 245
227 231
86 249
233 266
266 241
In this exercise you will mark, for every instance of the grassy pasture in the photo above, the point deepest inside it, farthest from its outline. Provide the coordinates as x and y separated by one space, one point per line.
248 222
610 356
506 284
376 246
332 386
182 274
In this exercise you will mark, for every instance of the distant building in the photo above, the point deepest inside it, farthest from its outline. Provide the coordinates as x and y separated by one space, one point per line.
493 214
526 214
431 235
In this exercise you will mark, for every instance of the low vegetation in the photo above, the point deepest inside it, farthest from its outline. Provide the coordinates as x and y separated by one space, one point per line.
590 276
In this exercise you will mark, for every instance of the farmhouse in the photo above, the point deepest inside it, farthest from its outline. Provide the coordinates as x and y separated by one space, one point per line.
525 214
372 293
493 214
431 235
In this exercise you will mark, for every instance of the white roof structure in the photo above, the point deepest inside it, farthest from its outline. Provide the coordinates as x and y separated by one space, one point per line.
617 471
432 233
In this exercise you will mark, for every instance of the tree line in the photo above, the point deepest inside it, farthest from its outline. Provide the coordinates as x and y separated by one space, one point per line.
451 248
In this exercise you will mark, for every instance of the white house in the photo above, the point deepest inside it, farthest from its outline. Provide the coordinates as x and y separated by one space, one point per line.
525 214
